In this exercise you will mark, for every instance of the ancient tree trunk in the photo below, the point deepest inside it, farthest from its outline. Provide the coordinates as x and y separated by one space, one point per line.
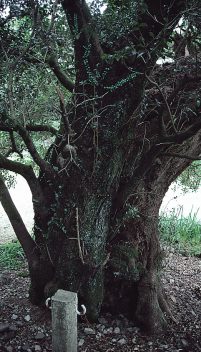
93 241
102 228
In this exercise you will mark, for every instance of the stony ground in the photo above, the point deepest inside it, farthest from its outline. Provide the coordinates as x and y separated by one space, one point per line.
27 328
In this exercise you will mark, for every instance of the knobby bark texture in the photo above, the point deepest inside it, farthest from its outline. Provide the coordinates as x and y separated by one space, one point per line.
101 236
130 129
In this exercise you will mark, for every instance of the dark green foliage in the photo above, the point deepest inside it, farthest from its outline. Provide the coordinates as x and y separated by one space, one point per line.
190 179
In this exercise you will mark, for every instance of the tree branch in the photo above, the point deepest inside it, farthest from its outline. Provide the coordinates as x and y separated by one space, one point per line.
181 136
182 156
146 161
28 173
9 125
14 148
44 165
52 62
38 199
41 128
83 32
64 114
30 128
59 73
159 19
17 223
165 102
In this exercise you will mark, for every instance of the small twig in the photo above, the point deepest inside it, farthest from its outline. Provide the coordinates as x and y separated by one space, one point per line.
48 252
78 236
91 119
165 101
106 260
54 8
94 99
14 148
63 112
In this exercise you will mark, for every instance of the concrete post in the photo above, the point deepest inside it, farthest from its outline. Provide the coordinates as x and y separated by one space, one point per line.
64 321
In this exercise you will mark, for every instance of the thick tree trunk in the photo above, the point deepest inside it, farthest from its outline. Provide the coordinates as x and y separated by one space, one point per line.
79 266
136 259
87 250
149 312
101 239
104 245
97 229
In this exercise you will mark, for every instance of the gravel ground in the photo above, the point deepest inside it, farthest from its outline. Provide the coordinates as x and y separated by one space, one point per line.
28 328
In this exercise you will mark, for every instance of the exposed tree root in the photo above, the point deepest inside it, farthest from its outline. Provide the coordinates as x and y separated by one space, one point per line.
149 313
165 306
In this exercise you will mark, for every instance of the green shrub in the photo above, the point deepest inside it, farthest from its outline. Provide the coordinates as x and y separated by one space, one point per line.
184 233
11 255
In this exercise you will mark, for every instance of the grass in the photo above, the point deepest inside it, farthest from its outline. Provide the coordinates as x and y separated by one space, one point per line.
11 255
183 233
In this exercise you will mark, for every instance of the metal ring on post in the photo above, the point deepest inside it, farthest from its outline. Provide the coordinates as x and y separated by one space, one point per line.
83 310
48 303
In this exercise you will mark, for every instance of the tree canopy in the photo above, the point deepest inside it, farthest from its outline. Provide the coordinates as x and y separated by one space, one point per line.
38 51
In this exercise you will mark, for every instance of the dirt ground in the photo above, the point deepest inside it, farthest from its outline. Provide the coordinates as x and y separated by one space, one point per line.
27 328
